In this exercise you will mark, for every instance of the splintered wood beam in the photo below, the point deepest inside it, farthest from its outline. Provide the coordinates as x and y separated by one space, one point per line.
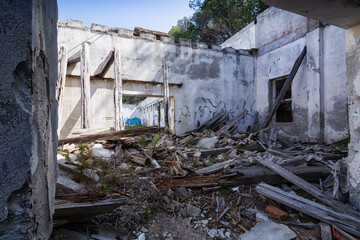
166 96
61 79
234 121
326 214
111 135
285 88
105 65
85 86
119 121
309 188
74 58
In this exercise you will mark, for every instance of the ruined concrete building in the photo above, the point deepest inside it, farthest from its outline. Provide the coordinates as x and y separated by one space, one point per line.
246 73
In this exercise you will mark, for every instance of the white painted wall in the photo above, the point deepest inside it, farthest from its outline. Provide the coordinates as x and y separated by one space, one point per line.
280 37
212 79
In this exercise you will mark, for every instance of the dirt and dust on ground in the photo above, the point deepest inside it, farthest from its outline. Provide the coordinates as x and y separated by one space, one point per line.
204 184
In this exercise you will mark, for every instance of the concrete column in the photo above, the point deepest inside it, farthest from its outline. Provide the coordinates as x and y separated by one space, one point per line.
353 76
28 117
313 59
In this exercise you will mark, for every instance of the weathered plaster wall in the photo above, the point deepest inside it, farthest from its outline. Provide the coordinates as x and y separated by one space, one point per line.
319 87
28 122
353 76
213 80
244 39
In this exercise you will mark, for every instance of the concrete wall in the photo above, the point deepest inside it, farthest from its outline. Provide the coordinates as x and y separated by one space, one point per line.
28 122
213 80
353 76
319 87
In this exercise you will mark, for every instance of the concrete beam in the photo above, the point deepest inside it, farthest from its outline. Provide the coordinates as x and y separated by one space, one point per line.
341 13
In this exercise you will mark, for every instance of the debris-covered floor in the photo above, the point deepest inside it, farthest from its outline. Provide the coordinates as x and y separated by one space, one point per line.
202 185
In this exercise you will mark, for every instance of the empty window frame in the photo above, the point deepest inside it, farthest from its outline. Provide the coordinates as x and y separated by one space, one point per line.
284 112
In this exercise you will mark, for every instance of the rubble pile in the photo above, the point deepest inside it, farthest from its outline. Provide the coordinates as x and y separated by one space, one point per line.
205 184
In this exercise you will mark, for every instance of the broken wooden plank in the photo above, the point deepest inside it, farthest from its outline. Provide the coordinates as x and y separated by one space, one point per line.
85 86
314 191
119 121
234 121
326 214
166 97
111 136
61 79
105 65
74 58
285 88
326 233
256 174
212 152
217 167
83 211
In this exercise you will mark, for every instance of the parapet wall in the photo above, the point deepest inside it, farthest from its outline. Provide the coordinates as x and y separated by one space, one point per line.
213 79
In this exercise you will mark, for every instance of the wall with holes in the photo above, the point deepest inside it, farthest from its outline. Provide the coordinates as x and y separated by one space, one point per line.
318 91
213 79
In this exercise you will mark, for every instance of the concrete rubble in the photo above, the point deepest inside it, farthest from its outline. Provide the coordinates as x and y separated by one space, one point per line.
197 192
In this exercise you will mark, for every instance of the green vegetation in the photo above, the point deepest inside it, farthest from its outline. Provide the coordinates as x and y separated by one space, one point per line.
132 99
159 113
134 126
156 138
214 21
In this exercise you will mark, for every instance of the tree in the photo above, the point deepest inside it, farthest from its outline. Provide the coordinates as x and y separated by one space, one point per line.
215 21
185 28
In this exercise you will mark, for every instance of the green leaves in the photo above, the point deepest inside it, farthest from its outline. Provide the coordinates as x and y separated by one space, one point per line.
217 20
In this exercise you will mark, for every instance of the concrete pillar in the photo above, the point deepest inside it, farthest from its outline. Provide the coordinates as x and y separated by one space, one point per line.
353 76
28 117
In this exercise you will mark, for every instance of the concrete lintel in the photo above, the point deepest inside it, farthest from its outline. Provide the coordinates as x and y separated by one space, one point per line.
75 23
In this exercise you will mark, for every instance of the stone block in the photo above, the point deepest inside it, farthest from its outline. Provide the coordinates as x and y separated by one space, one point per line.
185 42
202 45
75 23
167 39
99 28
148 36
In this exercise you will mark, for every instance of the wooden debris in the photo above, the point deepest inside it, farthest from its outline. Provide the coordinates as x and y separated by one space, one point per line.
326 233
211 152
61 78
315 192
85 86
214 123
285 88
112 135
234 121
326 214
119 119
82 211
217 167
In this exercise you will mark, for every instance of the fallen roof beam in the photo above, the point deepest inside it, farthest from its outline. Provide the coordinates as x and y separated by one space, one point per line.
285 88
112 135
307 187
82 211
234 121
340 219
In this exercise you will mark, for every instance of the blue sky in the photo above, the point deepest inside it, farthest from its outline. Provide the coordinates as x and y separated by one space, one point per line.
157 15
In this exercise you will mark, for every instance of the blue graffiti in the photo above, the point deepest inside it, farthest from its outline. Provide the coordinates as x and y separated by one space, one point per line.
132 121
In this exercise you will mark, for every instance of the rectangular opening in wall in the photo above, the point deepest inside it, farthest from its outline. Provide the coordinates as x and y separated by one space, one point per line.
284 112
